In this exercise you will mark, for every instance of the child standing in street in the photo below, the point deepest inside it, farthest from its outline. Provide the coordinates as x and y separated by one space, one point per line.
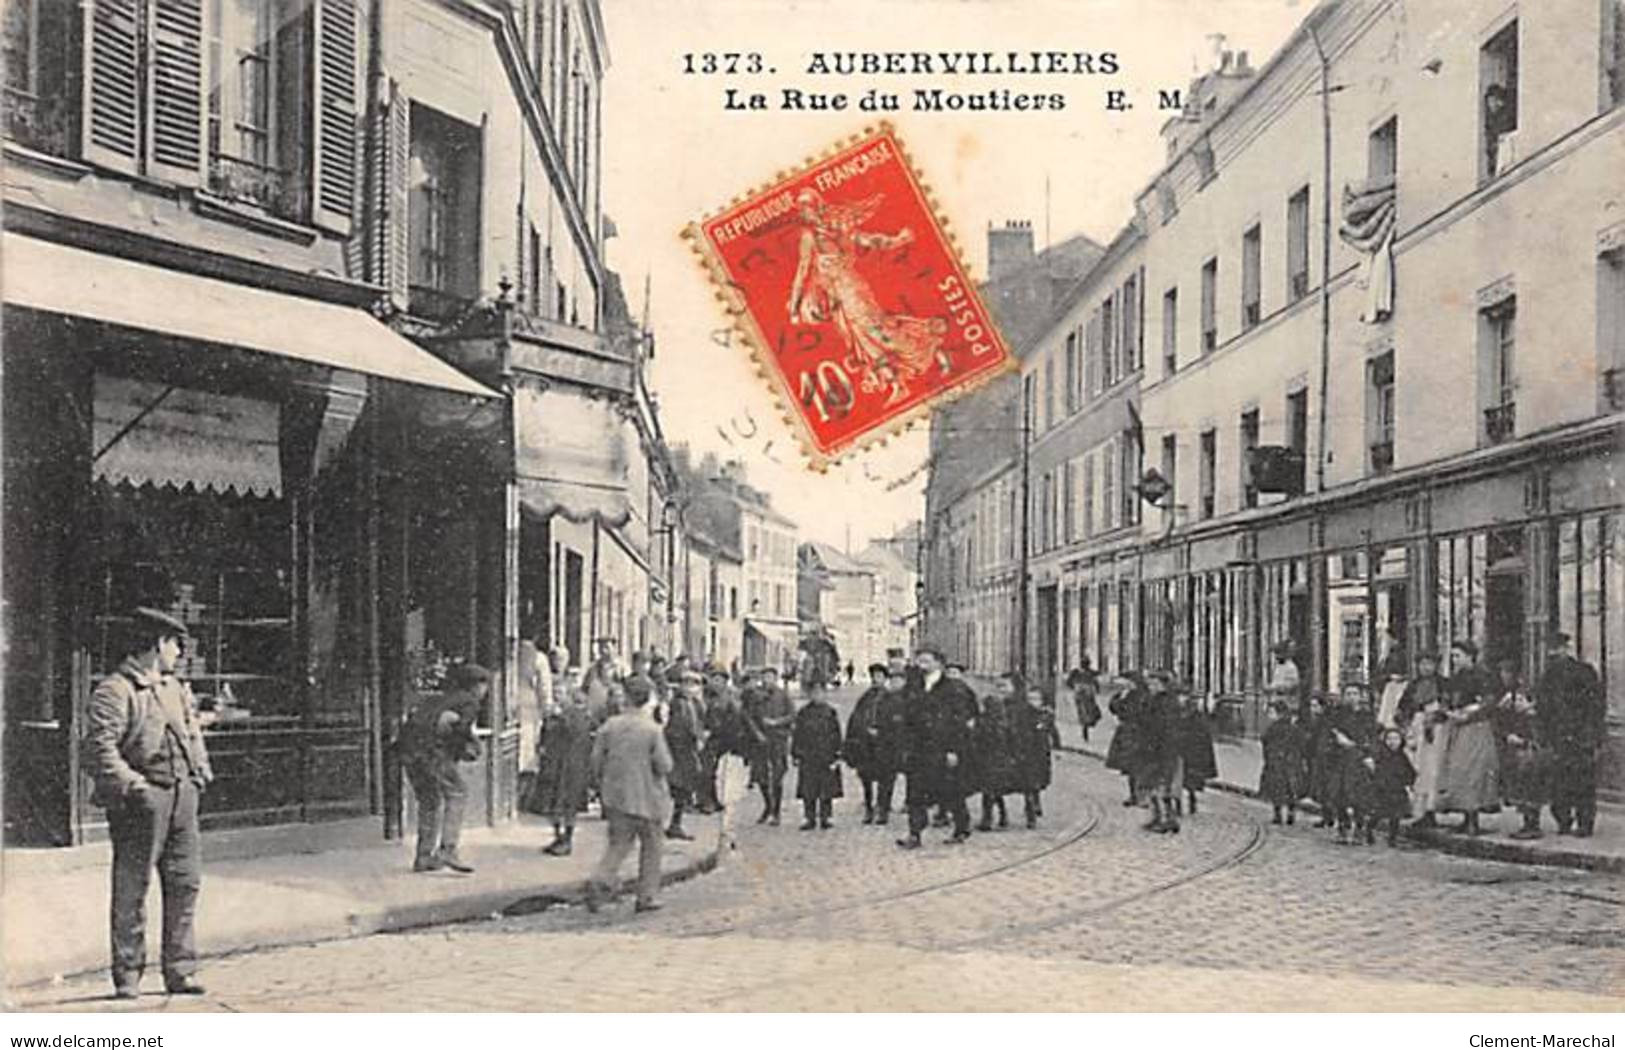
1391 778
1282 778
1195 748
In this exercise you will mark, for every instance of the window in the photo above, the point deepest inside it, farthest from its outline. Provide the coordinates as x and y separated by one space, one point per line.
1382 151
254 98
1089 494
1170 469
533 279
1045 534
1297 421
1248 440
1206 170
1134 322
1252 244
1133 463
1208 466
1380 412
1069 521
1049 391
1029 404
1611 328
1071 372
1170 332
1210 296
1091 355
1108 486
1613 53
1167 202
443 212
1297 245
1498 384
38 56
1498 101
1108 341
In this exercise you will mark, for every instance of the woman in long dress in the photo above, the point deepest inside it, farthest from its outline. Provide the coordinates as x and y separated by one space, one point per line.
887 348
1420 714
1469 774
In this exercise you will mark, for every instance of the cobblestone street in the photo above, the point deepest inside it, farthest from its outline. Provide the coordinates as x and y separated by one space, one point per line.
1088 912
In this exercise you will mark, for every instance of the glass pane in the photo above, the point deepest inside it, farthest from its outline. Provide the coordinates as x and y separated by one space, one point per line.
1347 617
1589 643
1478 550
1612 628
1568 577
1444 595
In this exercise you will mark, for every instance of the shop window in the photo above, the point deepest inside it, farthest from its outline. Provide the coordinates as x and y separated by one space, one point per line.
1209 467
1382 151
1210 298
1613 53
1170 332
1071 373
443 212
1380 413
1498 382
1297 245
1498 102
1252 246
1611 328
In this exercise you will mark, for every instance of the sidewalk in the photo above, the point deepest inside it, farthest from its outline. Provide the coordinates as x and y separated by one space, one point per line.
54 909
1240 761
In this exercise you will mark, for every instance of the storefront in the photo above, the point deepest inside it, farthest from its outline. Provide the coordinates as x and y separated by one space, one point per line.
218 463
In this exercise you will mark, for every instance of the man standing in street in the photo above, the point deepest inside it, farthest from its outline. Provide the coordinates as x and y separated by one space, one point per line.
437 737
145 752
722 736
770 713
684 728
1570 719
630 762
940 720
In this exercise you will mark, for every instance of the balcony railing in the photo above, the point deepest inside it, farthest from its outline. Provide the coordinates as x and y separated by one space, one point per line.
434 304
275 191
1382 456
41 124
1500 422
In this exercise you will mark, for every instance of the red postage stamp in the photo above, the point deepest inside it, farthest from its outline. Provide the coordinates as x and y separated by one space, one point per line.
844 280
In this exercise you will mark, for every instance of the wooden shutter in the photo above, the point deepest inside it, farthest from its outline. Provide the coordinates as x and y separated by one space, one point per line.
112 84
333 150
394 229
175 78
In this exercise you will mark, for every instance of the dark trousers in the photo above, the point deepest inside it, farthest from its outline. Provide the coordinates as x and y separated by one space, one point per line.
155 827
625 831
819 810
991 803
441 793
877 791
919 816
710 758
682 800
1574 791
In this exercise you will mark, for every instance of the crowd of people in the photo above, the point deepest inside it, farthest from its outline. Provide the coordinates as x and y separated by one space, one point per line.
1452 738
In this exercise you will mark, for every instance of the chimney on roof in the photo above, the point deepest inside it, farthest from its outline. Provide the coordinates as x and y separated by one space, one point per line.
1008 247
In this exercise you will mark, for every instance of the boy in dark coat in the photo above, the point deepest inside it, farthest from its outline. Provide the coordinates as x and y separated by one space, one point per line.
1523 772
992 754
1031 734
1196 749
1349 730
862 747
1158 769
1122 754
768 714
815 745
1391 778
1282 779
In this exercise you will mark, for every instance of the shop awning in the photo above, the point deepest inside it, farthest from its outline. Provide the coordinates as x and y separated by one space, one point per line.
577 502
55 278
571 456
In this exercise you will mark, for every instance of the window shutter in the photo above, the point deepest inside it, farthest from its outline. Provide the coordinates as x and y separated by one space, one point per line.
333 182
175 77
391 255
112 93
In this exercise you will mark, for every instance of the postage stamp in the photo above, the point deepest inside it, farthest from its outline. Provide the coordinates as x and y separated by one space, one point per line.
847 285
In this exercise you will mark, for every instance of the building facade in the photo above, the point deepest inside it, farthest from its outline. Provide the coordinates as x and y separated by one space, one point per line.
1381 378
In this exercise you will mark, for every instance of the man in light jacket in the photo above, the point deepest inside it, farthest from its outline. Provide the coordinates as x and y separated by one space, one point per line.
630 762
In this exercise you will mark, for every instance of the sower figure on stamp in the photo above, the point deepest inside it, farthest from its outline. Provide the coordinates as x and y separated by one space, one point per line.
630 762
438 735
145 751
816 747
940 719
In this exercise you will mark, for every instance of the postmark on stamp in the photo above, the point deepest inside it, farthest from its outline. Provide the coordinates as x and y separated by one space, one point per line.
848 287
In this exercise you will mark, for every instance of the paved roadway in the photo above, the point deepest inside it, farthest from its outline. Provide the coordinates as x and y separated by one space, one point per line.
1088 912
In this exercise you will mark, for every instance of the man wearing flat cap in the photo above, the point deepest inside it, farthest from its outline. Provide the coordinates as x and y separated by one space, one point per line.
144 749
1571 723
438 735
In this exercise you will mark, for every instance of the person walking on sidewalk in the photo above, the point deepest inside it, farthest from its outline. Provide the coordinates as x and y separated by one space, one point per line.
145 752
815 745
563 772
1572 723
1085 686
684 726
630 762
438 735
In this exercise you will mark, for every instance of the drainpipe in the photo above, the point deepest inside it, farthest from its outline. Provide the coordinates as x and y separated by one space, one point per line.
1325 254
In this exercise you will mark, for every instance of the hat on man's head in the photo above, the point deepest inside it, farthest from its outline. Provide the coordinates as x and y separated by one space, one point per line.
1555 637
155 624
878 669
895 651
466 676
1467 646
1282 647
638 689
